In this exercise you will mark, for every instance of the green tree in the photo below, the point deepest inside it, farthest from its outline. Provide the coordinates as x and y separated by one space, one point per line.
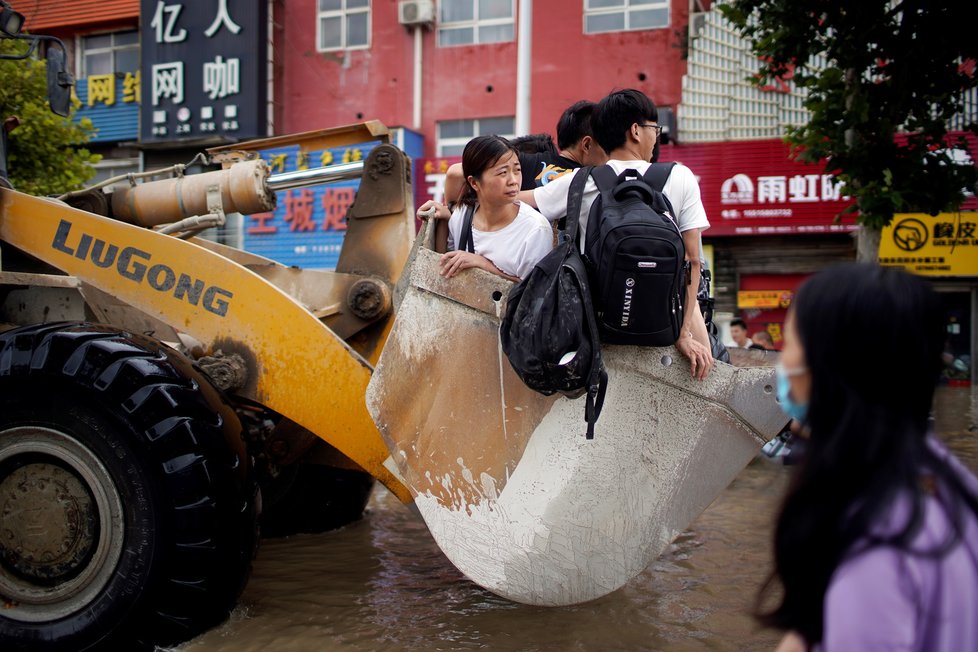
895 74
46 155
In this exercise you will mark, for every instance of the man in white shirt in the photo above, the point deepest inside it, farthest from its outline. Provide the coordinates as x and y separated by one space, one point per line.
625 125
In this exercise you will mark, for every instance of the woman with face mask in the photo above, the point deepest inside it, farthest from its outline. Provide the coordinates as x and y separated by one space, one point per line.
507 237
876 545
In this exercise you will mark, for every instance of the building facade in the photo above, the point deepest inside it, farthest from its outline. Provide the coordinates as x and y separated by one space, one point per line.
340 61
102 41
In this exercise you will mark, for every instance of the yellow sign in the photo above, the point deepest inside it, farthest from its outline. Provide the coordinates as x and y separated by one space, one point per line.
707 254
764 298
101 88
942 245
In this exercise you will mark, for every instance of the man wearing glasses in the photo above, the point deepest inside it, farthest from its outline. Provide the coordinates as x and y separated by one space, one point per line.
625 125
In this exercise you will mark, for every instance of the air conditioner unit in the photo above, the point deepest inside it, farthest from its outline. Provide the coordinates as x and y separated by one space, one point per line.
697 21
416 12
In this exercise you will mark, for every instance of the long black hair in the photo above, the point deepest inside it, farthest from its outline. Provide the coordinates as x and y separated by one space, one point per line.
480 154
872 339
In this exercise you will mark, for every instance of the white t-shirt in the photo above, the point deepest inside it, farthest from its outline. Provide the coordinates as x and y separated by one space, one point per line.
515 248
681 188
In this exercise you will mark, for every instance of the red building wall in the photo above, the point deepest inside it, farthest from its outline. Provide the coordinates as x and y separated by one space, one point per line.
315 90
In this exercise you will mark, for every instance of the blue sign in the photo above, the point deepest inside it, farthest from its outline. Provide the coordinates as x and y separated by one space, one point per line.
111 102
204 69
306 228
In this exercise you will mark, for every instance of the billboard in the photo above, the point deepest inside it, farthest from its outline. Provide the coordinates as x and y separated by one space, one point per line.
203 66
306 228
308 225
932 245
754 188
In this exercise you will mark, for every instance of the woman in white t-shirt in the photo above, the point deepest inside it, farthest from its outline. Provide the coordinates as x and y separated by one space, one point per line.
508 236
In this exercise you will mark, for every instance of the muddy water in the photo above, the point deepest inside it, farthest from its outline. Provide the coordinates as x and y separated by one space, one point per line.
383 584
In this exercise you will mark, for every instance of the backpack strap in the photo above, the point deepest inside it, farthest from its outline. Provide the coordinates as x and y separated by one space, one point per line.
657 175
605 178
575 196
597 383
465 240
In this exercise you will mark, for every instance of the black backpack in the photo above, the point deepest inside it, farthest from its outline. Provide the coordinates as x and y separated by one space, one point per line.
635 257
549 333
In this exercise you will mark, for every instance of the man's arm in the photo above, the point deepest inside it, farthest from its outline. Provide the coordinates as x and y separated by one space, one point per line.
694 342
454 184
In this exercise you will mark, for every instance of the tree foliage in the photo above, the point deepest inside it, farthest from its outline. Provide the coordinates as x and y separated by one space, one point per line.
896 73
46 154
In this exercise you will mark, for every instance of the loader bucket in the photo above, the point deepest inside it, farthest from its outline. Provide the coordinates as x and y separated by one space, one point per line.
509 487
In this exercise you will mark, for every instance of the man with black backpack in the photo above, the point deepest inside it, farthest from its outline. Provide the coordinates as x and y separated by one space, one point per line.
625 125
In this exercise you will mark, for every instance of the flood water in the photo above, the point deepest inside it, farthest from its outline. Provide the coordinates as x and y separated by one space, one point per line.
383 584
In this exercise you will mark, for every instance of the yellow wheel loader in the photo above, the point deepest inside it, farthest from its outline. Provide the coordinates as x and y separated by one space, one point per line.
161 395
150 380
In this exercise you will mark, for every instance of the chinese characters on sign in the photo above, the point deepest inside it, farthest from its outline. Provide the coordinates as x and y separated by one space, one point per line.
764 298
755 188
942 245
204 75
111 103
779 189
105 89
308 224
432 171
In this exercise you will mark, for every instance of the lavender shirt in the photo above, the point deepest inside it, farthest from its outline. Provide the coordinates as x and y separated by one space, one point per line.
887 599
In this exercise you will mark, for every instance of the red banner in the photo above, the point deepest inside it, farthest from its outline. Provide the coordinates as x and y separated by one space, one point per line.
431 173
754 188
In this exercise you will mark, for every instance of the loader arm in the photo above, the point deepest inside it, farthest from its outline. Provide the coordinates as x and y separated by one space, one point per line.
297 366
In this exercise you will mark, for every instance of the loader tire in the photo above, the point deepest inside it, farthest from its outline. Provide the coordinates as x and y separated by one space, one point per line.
310 498
128 502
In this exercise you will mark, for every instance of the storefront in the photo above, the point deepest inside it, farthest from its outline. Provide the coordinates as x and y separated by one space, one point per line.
943 248
774 221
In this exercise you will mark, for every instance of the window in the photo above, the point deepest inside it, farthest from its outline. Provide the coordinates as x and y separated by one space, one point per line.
469 22
453 134
104 54
624 15
343 24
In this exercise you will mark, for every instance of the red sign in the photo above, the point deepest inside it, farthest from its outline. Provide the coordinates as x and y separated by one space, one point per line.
431 173
754 188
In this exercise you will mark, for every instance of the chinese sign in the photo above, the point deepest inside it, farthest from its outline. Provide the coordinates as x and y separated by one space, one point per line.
942 245
111 102
308 224
763 301
754 188
203 69
431 173
764 298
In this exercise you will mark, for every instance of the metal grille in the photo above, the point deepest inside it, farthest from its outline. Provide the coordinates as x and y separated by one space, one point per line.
719 102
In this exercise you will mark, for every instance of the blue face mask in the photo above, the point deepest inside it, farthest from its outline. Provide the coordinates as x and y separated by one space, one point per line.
797 411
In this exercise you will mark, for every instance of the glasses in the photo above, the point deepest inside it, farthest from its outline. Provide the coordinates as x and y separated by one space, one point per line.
658 129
